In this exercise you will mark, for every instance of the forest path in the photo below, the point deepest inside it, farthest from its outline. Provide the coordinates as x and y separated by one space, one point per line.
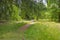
25 27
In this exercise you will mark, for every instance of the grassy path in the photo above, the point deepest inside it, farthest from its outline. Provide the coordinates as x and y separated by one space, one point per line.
25 27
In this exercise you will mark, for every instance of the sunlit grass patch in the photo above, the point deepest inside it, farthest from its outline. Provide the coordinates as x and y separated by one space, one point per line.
42 31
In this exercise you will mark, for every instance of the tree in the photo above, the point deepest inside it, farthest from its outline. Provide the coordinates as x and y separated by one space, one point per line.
9 10
32 9
53 8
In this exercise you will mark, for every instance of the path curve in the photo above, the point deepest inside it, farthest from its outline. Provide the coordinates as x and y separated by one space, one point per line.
23 28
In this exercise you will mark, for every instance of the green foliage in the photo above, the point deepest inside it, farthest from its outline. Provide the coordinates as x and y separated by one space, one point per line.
53 7
15 13
31 9
9 10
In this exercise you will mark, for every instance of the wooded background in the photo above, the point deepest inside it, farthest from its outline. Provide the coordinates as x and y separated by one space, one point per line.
30 9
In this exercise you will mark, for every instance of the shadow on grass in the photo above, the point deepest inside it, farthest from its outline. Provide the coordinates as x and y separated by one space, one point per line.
9 30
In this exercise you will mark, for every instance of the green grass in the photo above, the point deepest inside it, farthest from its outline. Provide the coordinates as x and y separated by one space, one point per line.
37 31
43 31
9 31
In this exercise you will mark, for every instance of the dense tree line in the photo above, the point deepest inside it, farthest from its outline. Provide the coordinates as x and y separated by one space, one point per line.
29 9
54 8
9 10
32 9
